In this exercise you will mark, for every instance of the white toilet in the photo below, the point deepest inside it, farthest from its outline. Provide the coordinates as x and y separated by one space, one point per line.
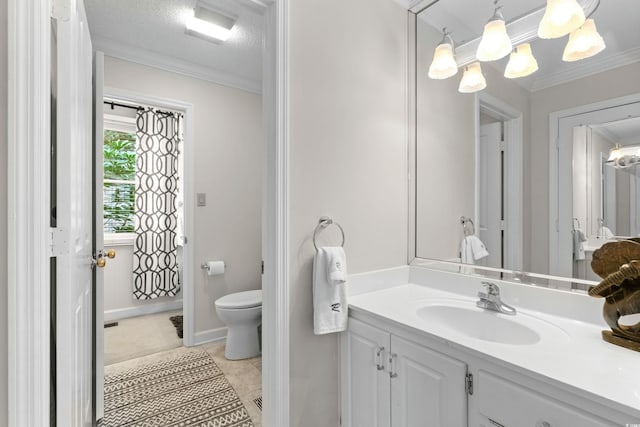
242 313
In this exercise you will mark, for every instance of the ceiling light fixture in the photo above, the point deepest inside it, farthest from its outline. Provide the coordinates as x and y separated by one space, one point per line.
444 64
495 43
584 42
472 80
209 25
521 62
560 18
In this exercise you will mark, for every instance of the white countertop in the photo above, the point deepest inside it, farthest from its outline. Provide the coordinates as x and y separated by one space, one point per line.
572 353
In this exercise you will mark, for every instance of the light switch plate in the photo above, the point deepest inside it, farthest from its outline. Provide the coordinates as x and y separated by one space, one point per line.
202 199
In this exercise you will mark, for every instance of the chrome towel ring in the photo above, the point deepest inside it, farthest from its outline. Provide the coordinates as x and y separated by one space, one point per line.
468 231
323 223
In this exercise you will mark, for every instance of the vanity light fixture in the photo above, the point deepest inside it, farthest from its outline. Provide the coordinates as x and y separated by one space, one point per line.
472 80
521 62
583 43
495 42
560 18
615 154
210 25
444 64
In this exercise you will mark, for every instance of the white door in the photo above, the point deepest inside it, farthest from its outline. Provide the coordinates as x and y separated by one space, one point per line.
98 155
74 225
366 390
427 388
490 198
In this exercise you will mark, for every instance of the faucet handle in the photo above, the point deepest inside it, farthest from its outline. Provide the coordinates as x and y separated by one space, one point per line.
492 288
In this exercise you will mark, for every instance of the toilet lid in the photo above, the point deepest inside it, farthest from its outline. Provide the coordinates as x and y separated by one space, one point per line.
247 299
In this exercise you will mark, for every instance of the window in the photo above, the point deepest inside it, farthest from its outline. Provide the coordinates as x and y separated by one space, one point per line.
119 180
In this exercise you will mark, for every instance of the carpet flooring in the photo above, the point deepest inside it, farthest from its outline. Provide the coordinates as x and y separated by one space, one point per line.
188 390
177 323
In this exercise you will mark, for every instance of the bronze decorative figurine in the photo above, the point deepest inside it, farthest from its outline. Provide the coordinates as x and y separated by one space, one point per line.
618 264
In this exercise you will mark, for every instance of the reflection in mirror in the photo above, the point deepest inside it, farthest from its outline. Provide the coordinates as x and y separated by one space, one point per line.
605 187
490 156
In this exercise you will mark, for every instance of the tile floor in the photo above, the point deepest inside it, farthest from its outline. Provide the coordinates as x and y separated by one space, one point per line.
141 340
244 375
140 336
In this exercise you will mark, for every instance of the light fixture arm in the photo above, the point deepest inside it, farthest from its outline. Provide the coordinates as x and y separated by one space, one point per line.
594 9
497 12
446 38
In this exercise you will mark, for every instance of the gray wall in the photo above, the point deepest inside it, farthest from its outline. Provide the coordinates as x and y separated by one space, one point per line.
3 215
348 160
228 141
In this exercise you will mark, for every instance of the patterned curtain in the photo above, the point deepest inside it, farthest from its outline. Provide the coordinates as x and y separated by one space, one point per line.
155 266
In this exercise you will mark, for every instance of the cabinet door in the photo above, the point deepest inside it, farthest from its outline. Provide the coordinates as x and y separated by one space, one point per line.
366 390
427 387
501 402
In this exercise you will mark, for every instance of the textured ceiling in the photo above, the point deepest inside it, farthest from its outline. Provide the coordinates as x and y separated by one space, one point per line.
617 22
158 26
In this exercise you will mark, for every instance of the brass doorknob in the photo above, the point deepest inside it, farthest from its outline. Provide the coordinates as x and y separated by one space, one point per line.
111 253
101 262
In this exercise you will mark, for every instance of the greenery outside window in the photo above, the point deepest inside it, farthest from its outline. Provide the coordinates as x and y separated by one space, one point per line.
119 181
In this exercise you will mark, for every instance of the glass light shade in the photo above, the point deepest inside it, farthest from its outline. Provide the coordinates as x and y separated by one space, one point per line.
495 42
583 43
521 62
560 18
615 154
444 64
472 79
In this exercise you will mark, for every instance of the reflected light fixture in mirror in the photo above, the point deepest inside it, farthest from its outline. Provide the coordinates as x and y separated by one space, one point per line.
615 153
495 42
209 25
583 43
521 62
472 80
444 64
560 18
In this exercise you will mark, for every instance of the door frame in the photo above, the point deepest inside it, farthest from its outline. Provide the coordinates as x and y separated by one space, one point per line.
29 235
513 174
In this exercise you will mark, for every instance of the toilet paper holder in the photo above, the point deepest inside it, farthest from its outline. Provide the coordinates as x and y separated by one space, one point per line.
205 266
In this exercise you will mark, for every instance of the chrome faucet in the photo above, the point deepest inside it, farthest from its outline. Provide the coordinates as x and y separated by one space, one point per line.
490 300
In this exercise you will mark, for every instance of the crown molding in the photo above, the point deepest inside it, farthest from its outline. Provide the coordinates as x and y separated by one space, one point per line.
145 57
595 66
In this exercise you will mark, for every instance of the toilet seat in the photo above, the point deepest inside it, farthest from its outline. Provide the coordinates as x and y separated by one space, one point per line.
239 300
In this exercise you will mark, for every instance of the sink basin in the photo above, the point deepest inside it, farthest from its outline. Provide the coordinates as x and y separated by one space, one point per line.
485 325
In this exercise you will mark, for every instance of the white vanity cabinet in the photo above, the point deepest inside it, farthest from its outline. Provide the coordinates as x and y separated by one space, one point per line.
390 381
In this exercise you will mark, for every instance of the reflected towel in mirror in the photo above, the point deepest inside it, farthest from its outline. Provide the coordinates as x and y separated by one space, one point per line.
472 249
578 244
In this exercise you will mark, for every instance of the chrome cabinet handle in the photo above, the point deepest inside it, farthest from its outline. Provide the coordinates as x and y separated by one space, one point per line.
380 358
392 372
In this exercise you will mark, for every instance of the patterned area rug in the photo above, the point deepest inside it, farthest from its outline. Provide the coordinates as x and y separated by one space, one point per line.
189 390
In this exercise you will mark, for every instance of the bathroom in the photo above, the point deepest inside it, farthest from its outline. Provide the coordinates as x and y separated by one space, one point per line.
347 157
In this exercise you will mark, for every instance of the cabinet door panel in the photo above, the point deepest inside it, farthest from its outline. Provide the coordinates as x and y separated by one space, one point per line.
366 390
513 405
428 390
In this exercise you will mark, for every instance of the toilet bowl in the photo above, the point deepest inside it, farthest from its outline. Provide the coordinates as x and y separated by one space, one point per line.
242 313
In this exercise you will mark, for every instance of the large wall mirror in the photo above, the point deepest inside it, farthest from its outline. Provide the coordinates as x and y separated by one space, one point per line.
528 174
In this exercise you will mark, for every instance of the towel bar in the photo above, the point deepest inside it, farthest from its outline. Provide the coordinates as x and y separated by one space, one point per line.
464 221
323 223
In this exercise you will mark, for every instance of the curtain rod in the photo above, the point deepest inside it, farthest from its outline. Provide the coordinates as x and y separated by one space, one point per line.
139 107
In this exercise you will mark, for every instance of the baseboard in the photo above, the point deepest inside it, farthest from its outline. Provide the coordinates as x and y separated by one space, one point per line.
210 335
151 308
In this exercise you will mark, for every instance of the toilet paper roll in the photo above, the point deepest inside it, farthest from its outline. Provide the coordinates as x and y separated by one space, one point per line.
215 268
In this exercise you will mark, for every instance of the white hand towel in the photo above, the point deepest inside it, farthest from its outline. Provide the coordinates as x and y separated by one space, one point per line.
472 249
605 233
337 265
330 307
578 244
